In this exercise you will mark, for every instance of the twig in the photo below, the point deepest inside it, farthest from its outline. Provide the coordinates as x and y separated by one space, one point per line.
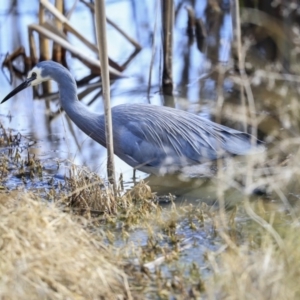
240 58
57 52
67 26
153 53
168 23
92 62
158 261
44 49
100 20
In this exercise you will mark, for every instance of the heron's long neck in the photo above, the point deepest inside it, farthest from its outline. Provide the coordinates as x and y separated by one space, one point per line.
89 122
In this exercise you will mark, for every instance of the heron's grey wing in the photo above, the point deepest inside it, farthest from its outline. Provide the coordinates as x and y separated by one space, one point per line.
159 143
133 145
203 139
151 135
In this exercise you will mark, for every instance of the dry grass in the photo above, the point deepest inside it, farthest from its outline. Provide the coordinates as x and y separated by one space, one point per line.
86 192
269 272
45 254
48 254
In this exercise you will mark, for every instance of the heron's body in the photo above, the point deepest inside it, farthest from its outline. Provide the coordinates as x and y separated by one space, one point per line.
162 140
150 138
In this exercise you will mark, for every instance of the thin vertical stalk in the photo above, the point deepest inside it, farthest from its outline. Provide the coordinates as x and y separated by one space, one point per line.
168 23
44 48
57 50
220 163
239 49
44 43
94 24
153 52
247 87
100 20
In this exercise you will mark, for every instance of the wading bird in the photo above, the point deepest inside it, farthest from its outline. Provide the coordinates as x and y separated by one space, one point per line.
150 138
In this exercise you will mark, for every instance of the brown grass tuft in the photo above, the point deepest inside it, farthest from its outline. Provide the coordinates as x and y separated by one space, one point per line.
268 273
45 254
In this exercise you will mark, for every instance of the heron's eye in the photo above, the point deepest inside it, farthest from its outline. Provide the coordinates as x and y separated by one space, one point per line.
33 75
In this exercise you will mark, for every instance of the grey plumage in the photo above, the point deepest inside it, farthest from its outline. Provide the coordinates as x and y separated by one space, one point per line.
150 138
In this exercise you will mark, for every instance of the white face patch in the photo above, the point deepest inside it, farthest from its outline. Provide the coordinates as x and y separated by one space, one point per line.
39 78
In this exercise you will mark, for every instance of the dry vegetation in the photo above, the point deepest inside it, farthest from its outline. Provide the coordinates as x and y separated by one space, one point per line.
73 241
47 254
268 272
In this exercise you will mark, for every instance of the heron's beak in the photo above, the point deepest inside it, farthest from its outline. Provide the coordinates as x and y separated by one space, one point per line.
19 88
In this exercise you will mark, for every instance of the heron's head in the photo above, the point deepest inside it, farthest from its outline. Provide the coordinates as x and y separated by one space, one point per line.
35 76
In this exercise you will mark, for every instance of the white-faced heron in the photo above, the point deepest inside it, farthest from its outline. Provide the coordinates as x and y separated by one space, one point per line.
150 138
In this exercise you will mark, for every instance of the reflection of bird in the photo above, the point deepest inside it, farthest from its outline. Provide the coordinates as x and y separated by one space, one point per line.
149 138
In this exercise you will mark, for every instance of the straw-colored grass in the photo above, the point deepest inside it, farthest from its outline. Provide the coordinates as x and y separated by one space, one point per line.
45 254
48 254
269 272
